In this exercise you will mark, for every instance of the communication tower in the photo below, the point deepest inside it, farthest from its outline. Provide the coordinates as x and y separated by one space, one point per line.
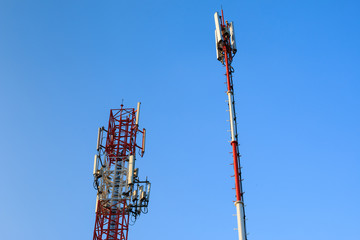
225 52
121 196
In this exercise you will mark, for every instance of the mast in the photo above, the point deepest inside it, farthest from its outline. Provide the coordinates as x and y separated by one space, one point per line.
225 52
121 196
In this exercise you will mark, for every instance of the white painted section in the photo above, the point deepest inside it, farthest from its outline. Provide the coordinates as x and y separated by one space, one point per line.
232 37
131 170
137 113
240 220
231 112
95 165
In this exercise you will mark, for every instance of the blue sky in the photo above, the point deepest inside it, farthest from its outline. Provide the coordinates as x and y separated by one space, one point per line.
64 64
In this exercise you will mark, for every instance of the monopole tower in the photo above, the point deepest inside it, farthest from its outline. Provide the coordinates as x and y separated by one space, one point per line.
225 52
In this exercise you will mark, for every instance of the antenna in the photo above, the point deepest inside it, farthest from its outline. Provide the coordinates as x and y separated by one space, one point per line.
98 139
95 165
131 170
138 113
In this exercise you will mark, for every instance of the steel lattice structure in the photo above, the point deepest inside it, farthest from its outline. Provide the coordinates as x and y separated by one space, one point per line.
121 197
225 51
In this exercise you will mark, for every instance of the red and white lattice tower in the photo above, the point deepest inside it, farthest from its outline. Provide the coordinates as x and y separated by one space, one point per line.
225 51
121 196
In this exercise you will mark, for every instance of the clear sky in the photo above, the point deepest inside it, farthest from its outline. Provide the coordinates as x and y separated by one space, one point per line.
64 64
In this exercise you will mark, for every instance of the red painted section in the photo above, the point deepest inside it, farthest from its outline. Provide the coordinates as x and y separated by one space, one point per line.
222 16
236 171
